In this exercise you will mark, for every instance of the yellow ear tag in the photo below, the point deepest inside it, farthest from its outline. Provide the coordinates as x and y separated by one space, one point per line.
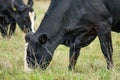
14 9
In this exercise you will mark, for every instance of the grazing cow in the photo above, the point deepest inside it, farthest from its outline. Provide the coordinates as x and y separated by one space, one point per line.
15 11
74 23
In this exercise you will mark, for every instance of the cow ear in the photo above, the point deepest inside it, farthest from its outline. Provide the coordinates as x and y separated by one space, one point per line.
43 38
28 36
30 3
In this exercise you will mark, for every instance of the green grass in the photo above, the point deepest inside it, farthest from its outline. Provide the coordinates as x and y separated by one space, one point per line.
91 64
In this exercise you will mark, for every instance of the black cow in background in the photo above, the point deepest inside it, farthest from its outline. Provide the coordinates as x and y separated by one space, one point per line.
16 11
74 23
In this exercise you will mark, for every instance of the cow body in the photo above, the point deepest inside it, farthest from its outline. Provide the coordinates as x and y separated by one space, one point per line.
15 11
74 23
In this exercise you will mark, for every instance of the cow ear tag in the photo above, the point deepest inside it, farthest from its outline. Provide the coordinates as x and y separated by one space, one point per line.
14 9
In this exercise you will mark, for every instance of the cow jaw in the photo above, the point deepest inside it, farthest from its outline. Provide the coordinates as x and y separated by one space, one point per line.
32 15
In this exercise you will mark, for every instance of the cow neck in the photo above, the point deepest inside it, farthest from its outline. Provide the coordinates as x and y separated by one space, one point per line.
55 41
52 21
50 27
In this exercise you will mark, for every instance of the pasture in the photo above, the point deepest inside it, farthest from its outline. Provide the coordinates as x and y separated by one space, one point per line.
91 64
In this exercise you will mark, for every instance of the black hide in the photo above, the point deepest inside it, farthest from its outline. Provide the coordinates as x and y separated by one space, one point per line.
74 23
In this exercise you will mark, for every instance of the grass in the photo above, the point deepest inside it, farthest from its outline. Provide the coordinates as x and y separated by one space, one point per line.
91 64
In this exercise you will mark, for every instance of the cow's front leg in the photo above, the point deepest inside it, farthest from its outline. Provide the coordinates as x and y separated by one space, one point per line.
104 34
73 56
3 30
12 28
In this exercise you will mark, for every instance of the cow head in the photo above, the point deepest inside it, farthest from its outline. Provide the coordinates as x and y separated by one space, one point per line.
42 44
37 54
24 16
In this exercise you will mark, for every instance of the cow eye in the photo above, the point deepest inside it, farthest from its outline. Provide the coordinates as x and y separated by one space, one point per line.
43 39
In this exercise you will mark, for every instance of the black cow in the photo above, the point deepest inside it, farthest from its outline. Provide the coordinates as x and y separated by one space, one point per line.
74 23
15 11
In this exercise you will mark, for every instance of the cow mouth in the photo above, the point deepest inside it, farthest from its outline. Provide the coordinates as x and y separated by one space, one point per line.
33 63
26 29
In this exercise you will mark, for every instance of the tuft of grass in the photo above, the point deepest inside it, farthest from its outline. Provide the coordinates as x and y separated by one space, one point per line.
91 64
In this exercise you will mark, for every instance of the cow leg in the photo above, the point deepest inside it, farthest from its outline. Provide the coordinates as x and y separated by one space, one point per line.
104 34
12 28
3 30
73 56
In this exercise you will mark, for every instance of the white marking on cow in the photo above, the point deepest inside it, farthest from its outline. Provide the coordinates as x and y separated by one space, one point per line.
26 68
32 15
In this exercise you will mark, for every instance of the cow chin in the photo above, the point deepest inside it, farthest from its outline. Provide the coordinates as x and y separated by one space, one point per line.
33 62
29 27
